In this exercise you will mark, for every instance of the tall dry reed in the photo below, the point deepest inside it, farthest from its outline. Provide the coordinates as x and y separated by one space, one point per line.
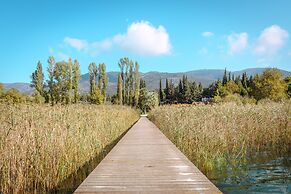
213 135
41 146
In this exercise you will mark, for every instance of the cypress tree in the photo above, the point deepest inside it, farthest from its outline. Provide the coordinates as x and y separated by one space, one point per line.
224 79
244 80
161 93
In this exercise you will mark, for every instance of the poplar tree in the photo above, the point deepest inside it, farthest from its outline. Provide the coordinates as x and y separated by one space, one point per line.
102 80
130 84
126 85
136 84
51 83
76 80
92 77
70 81
38 79
119 90
95 96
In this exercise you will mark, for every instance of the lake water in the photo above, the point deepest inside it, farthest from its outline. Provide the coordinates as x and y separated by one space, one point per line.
262 173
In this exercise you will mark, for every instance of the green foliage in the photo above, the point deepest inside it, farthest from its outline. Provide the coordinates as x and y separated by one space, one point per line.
269 85
76 80
148 100
288 82
96 97
119 90
136 84
129 82
37 80
51 82
13 96
1 89
102 80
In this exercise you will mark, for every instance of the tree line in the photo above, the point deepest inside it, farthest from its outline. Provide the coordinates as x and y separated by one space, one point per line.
185 92
62 85
269 85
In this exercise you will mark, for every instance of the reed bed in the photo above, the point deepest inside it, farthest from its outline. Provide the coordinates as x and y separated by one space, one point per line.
41 146
214 135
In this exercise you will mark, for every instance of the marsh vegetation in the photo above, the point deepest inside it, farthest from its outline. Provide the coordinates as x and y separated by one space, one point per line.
42 146
221 138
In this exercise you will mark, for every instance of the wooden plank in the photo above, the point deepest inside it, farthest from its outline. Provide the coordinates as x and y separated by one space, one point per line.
145 161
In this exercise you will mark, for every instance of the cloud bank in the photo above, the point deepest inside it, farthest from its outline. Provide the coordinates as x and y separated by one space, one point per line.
271 40
141 38
237 42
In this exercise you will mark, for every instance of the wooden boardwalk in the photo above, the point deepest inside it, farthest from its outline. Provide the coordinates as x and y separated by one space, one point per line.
145 161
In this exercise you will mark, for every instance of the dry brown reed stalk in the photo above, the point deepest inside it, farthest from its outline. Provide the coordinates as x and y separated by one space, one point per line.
41 146
216 134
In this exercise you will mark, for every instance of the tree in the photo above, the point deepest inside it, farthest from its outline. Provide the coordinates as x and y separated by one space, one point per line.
130 84
37 82
269 85
76 80
186 90
51 83
102 80
244 80
136 84
38 79
224 79
166 91
92 77
288 82
231 87
161 93
1 90
69 81
119 90
63 81
95 96
13 96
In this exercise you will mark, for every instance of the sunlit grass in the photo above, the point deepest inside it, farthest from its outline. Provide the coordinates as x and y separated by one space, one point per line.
213 135
41 146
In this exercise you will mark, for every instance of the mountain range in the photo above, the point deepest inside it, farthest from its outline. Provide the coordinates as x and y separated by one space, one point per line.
152 78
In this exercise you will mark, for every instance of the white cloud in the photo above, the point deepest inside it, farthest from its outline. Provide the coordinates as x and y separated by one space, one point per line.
289 53
76 43
270 40
141 38
237 42
144 39
207 34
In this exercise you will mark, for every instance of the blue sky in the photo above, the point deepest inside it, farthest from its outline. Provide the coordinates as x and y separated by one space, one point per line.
172 36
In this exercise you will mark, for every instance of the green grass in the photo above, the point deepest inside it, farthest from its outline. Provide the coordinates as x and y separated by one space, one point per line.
41 146
212 135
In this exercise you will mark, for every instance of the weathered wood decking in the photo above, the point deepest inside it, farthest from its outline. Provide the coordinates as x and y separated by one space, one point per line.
145 161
